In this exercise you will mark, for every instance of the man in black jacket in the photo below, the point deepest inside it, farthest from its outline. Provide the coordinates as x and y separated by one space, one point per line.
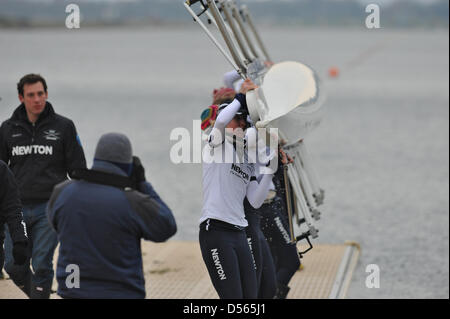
11 214
41 149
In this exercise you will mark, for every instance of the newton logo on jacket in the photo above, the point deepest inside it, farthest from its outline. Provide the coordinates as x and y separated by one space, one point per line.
32 149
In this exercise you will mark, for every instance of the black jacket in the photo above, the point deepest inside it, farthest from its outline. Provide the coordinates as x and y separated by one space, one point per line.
40 155
10 207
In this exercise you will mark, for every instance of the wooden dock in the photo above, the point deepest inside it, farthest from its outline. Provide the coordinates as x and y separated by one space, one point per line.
175 270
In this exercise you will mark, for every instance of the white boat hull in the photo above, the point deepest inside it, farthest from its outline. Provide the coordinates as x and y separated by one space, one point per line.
289 99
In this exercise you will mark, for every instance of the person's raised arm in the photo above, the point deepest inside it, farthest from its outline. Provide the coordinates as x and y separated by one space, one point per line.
230 78
226 115
153 216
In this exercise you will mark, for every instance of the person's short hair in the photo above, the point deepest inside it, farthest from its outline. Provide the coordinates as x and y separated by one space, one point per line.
30 79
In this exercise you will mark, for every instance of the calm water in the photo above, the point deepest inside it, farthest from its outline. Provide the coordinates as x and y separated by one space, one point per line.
382 151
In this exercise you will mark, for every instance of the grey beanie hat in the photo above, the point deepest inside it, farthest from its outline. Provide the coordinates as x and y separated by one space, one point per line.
114 147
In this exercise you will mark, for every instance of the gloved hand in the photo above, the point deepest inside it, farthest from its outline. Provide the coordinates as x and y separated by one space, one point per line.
138 173
248 85
20 253
242 99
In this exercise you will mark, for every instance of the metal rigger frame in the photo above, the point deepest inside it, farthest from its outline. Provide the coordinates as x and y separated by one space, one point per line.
234 25
307 193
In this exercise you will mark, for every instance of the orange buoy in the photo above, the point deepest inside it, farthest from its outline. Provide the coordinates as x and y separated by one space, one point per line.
333 72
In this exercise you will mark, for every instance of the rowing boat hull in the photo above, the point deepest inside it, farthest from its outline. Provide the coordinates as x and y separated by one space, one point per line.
290 99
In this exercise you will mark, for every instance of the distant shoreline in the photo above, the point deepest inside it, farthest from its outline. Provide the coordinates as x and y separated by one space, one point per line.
305 13
10 24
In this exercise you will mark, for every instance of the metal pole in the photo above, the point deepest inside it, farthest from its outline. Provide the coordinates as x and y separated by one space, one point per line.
296 214
307 191
312 175
210 17
301 202
238 18
225 5
289 202
221 24
249 20
213 39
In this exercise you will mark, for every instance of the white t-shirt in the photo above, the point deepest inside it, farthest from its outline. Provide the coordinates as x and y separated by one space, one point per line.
227 178
225 187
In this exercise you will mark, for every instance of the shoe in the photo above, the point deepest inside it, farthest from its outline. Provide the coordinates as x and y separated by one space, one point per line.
40 293
24 284
282 291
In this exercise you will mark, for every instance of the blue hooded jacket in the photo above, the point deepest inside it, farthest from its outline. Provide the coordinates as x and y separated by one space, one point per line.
100 230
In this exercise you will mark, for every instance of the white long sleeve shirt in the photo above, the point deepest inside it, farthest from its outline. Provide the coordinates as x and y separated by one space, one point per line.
227 183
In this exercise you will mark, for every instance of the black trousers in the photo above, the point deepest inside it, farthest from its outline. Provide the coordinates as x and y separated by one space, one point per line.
2 251
275 226
265 267
228 258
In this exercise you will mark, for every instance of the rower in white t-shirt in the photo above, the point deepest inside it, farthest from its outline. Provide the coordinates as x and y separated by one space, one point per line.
227 180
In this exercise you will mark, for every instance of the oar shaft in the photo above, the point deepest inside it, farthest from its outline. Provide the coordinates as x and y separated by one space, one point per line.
238 18
221 25
249 20
226 10
211 18
213 39
288 202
